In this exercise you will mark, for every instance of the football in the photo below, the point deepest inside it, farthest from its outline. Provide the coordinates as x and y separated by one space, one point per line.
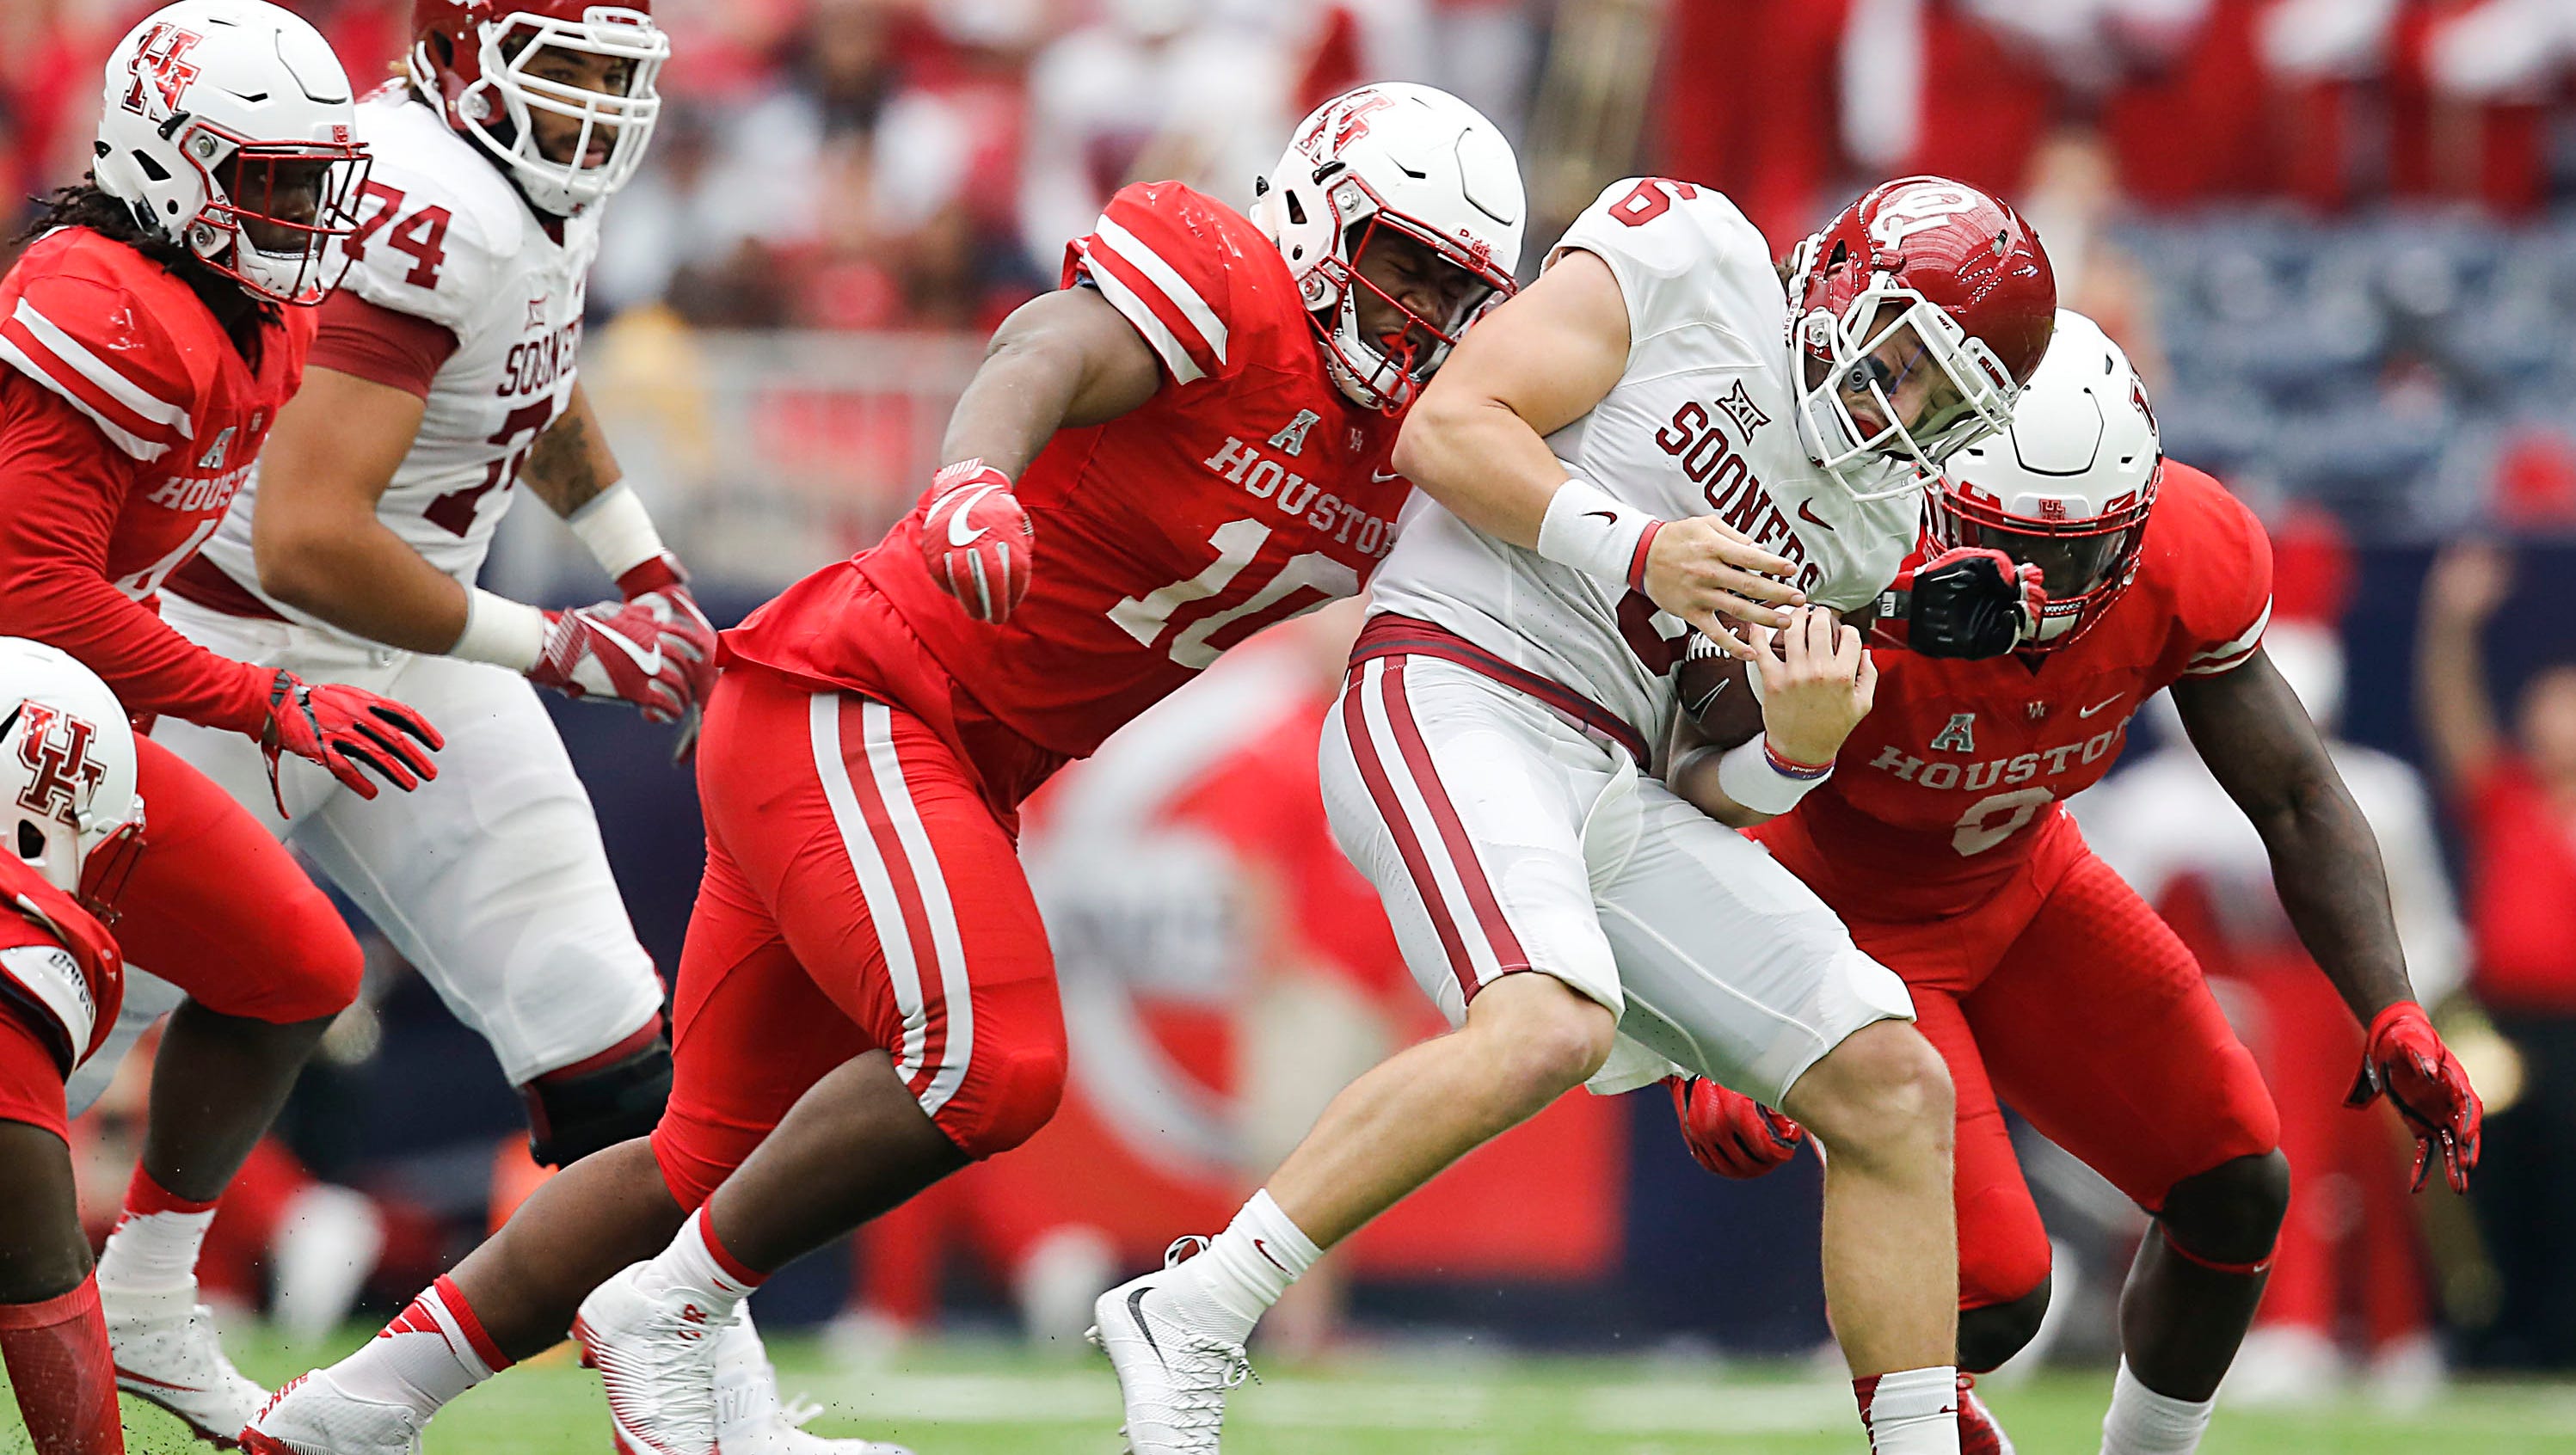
1714 693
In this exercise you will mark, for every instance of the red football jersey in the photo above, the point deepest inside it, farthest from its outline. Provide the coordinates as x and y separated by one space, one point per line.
128 421
1938 796
1247 491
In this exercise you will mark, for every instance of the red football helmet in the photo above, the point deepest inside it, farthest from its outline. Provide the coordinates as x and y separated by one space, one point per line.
2068 486
1927 291
470 58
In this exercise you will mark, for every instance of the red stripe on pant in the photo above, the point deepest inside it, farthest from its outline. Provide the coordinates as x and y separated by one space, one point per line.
907 893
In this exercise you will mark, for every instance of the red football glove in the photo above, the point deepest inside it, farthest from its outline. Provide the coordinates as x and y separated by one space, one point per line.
688 634
344 729
616 649
977 541
1730 1133
2407 1060
1970 602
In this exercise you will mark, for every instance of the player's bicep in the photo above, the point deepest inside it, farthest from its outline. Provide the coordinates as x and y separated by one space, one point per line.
329 459
2249 727
1113 369
1548 354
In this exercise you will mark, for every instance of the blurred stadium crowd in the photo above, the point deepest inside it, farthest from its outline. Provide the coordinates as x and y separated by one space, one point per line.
2339 236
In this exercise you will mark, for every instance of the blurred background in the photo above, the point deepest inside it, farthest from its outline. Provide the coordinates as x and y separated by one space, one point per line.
2339 237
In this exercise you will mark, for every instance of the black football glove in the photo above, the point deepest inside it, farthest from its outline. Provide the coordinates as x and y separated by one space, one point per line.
1969 602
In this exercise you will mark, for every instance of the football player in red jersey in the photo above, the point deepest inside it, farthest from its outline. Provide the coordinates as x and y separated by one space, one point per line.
147 339
67 803
2045 981
1186 443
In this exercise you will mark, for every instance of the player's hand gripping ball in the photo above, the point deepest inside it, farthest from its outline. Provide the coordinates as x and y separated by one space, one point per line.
2406 1061
977 540
1729 1133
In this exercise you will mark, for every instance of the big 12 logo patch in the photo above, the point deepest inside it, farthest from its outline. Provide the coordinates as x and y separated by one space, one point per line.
54 748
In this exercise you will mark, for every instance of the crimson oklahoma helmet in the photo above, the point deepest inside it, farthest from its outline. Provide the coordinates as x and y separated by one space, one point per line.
1927 290
470 59
2067 486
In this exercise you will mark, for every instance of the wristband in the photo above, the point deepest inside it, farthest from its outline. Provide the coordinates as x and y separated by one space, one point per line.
1755 776
1587 529
618 530
500 631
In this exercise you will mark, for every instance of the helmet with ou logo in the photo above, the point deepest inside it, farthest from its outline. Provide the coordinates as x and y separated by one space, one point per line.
1410 160
66 773
471 59
1924 290
229 130
2068 485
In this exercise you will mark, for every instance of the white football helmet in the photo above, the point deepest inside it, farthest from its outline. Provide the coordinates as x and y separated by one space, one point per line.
470 59
1417 161
2068 484
228 127
66 770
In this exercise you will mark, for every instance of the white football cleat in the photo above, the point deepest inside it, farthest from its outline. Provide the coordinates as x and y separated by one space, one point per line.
166 1352
313 1416
750 1417
1172 1379
656 1354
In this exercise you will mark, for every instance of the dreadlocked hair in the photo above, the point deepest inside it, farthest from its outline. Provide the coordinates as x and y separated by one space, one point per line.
244 319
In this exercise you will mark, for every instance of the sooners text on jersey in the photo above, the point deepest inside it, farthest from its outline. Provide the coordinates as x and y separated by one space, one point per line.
1935 795
1247 491
132 348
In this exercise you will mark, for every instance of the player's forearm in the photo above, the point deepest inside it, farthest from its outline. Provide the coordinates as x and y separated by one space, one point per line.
362 578
571 464
1481 461
1693 779
2327 870
147 664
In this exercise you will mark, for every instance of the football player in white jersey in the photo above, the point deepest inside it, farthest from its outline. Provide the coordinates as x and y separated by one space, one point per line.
444 379
1650 438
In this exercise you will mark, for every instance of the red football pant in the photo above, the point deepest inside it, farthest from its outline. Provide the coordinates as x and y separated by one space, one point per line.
859 895
2065 995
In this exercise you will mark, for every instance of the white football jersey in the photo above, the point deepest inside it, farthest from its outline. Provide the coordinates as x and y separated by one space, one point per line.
1699 423
443 236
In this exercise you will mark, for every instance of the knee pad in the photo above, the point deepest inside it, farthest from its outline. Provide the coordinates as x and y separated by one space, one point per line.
572 1116
1019 1094
2229 1217
1988 1336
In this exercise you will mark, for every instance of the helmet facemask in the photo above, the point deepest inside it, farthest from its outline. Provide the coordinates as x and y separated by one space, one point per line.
1387 371
275 212
1901 382
500 107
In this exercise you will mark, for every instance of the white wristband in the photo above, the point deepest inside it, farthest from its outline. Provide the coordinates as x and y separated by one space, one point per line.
1587 529
500 631
618 530
1761 780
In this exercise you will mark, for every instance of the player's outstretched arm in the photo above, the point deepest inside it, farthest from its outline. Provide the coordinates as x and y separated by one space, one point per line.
2258 742
2466 585
329 459
1476 441
1066 360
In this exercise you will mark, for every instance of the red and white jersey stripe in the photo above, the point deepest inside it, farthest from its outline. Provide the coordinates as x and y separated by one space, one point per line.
1142 257
907 896
134 416
2229 655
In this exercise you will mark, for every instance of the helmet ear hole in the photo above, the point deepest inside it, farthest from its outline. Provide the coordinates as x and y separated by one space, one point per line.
151 168
31 840
1296 210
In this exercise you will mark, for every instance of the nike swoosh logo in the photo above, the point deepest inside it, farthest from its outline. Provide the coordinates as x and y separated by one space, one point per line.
1608 515
1136 1315
1263 1249
128 1376
647 660
2097 707
1808 514
957 517
1382 476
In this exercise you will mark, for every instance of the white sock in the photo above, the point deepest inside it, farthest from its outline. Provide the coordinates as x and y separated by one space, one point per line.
153 1252
1247 1267
433 1352
697 1262
2143 1422
1912 1411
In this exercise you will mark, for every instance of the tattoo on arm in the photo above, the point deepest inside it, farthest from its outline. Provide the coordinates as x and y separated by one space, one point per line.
563 465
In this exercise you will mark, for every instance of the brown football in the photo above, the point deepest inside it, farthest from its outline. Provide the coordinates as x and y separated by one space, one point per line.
1713 692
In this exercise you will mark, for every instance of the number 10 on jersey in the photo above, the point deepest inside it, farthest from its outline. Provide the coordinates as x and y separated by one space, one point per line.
1304 583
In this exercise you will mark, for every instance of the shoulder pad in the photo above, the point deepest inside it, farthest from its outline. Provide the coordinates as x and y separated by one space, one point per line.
1161 255
2220 558
435 221
128 347
1681 252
